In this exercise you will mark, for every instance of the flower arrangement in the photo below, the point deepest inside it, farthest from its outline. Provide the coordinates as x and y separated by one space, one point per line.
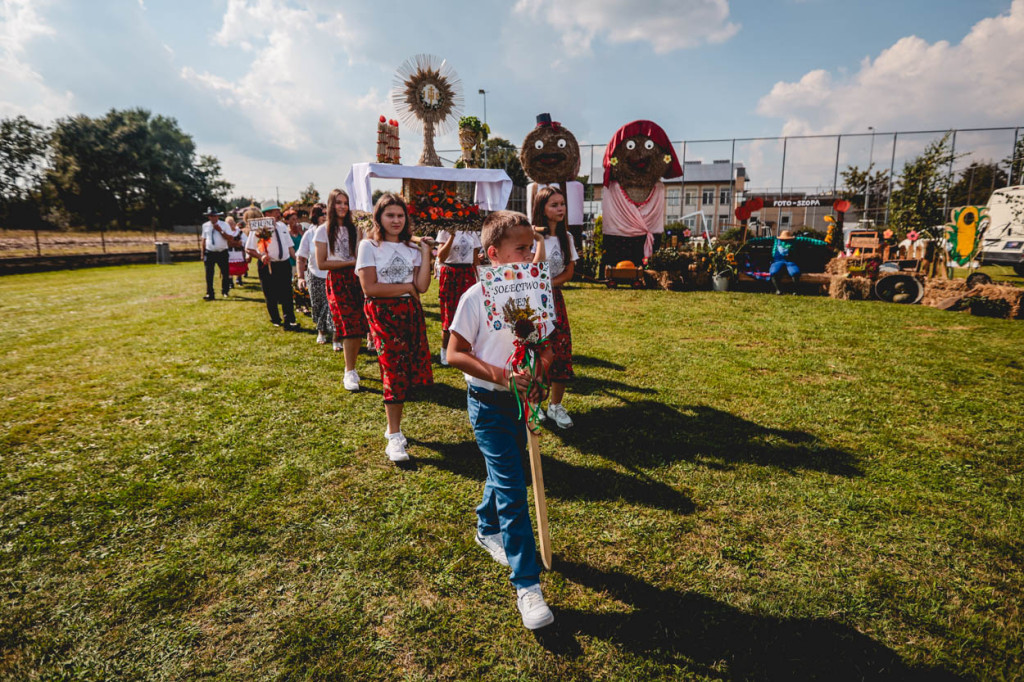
666 259
525 323
718 261
438 209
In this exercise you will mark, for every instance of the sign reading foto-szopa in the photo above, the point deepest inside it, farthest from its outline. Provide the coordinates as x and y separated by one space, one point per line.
794 201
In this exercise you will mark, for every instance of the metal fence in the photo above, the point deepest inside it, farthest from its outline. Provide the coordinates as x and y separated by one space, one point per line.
812 166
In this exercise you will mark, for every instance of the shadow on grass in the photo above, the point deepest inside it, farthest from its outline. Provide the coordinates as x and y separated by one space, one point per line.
711 638
588 385
562 480
589 361
649 433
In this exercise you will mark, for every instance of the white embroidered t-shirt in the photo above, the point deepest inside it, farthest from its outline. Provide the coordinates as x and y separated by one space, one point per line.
553 251
461 252
396 262
341 249
307 251
492 346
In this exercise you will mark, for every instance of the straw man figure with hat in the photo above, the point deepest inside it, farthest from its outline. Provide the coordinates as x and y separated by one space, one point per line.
782 258
551 158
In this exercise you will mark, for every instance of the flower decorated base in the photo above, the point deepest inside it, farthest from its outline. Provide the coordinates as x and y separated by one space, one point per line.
410 188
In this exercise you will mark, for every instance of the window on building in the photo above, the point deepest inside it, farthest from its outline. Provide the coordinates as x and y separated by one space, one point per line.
723 221
724 196
672 196
786 220
690 197
707 196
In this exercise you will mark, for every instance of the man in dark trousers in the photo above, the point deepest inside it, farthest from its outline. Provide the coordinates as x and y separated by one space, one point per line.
275 270
213 248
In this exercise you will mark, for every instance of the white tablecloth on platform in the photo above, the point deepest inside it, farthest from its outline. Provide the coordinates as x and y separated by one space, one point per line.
493 185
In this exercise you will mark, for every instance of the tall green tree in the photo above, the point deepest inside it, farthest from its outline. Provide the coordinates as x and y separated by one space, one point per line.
868 183
975 184
917 203
1015 163
131 167
309 195
23 154
500 153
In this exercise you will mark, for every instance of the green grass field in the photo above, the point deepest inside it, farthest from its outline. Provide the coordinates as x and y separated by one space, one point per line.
757 487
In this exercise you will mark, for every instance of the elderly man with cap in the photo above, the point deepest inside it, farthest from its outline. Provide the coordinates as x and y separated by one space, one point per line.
213 248
275 269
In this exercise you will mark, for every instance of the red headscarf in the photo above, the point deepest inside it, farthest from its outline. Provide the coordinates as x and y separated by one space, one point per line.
651 130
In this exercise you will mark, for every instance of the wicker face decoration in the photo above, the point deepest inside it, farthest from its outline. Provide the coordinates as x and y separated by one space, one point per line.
550 153
639 163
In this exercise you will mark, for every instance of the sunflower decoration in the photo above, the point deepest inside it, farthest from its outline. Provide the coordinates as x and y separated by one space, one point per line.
965 230
427 93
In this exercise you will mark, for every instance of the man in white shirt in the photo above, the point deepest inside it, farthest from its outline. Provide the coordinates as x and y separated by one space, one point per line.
275 269
213 249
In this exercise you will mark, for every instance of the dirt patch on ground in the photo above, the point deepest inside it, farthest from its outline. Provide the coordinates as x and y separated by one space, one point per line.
22 243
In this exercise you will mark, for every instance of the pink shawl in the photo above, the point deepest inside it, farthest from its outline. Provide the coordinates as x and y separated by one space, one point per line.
623 218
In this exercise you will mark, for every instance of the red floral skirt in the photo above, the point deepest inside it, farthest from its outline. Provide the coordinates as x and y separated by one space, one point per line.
345 299
454 281
399 334
561 343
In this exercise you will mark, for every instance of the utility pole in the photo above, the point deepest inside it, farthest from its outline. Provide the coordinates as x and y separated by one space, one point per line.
484 93
867 181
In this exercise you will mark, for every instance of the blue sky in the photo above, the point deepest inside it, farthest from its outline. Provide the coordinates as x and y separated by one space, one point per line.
286 92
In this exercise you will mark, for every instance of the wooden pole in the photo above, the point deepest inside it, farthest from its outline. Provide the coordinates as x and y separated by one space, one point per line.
540 501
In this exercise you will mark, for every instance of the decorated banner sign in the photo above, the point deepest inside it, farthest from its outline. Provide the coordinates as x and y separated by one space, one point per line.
260 224
523 288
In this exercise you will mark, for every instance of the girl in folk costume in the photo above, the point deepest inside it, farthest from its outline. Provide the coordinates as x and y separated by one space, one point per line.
633 200
313 280
237 263
549 220
459 254
393 274
336 242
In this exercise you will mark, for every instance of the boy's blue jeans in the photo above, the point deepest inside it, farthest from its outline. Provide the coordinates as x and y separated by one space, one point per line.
501 436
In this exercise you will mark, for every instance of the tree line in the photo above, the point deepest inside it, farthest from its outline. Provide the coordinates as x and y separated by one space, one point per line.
925 187
127 169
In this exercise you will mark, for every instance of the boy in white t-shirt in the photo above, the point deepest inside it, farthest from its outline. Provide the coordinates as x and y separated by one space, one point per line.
503 517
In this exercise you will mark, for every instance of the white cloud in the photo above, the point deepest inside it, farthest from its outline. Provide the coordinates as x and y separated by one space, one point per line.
666 25
915 85
23 89
291 91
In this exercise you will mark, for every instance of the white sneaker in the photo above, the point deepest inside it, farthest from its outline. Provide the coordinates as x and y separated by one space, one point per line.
401 436
444 357
337 346
561 417
396 448
351 380
321 338
533 608
494 547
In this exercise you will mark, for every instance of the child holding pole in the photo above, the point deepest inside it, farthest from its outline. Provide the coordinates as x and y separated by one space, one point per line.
482 353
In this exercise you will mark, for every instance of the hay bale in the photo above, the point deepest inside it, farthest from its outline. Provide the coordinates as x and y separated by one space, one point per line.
1004 301
939 290
846 288
837 266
